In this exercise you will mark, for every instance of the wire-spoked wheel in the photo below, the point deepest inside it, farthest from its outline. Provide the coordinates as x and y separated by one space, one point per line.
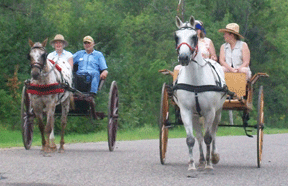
260 126
164 114
27 118
113 115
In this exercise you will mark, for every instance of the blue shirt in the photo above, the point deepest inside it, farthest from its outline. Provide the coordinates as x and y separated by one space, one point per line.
92 62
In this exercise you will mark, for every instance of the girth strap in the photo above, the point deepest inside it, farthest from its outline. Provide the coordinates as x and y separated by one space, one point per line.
199 89
54 88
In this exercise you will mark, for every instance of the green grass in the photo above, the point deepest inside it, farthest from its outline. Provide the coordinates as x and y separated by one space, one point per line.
14 138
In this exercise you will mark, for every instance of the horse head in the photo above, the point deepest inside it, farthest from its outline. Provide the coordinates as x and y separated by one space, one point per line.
37 57
186 41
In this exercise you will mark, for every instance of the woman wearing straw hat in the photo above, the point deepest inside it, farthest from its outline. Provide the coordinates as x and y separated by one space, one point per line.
234 54
59 43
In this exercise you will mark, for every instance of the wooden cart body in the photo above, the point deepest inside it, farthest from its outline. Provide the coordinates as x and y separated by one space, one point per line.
241 100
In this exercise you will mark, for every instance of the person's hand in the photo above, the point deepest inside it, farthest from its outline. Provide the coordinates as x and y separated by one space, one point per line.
214 58
234 70
104 74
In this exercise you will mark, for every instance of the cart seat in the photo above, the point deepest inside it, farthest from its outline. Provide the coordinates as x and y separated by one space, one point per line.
80 82
236 82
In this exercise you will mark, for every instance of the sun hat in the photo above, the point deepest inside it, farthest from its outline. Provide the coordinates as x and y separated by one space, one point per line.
199 25
59 37
88 39
232 28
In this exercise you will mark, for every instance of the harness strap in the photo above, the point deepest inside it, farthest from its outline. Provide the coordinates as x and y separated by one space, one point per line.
57 66
219 79
199 89
54 88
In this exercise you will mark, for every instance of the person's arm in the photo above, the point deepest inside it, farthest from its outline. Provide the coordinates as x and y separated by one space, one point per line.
70 60
246 55
223 62
212 51
103 67
104 74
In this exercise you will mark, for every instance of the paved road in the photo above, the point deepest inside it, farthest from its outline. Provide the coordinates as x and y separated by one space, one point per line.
137 163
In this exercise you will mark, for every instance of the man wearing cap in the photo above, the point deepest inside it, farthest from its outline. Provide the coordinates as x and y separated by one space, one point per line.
91 62
234 54
59 43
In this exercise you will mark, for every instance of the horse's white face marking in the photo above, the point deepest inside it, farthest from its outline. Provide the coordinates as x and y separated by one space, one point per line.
36 55
186 40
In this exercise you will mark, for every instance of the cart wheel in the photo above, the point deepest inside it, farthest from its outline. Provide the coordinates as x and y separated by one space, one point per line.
113 115
27 118
260 126
164 113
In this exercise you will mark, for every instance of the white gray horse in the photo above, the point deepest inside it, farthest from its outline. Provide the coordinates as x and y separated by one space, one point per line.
46 91
198 92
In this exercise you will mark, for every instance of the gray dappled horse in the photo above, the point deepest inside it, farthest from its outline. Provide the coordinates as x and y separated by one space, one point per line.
198 91
46 91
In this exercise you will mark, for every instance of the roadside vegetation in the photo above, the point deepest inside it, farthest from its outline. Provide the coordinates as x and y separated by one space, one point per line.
136 38
14 139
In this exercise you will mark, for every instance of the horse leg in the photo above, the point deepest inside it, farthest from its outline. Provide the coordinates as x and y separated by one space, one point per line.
198 127
41 127
53 146
215 154
190 140
64 114
50 125
208 138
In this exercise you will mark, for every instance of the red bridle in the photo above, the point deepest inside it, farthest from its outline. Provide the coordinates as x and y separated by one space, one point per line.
190 47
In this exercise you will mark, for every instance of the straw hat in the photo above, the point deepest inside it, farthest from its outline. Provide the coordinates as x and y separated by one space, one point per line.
88 39
59 37
232 28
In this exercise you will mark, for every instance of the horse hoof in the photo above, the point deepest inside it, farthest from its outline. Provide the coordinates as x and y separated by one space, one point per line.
201 166
209 168
215 158
47 154
192 167
61 150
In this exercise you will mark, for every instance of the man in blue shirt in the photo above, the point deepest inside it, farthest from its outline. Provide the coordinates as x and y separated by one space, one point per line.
91 63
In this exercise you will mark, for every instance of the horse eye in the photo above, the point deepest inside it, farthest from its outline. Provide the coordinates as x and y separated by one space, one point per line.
28 57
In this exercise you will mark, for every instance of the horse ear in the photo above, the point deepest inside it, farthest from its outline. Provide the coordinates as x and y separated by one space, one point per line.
179 23
192 21
44 43
30 42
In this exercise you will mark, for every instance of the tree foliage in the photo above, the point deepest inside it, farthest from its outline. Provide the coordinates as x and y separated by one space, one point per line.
136 38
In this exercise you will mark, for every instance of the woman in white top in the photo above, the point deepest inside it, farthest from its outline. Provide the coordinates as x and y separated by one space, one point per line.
234 54
205 45
59 43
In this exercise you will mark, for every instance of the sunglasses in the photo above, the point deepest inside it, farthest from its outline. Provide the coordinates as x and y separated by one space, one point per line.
86 42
